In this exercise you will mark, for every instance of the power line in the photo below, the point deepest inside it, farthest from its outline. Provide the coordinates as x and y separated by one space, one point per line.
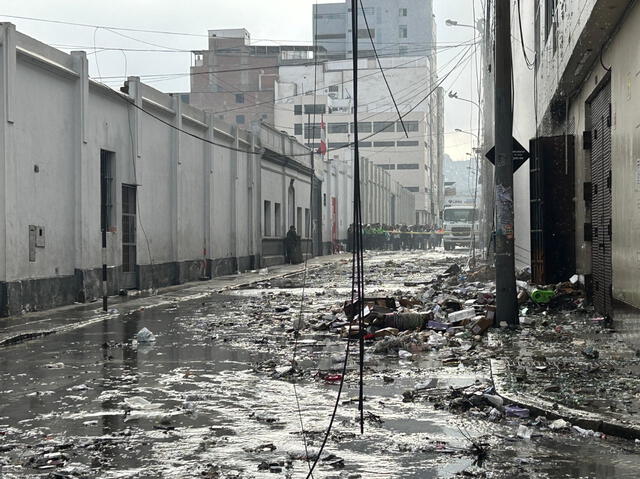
273 66
170 125
530 64
186 34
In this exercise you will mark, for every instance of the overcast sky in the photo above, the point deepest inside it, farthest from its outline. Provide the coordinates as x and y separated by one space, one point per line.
268 21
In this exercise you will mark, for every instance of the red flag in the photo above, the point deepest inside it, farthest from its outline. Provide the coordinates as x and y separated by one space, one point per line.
323 137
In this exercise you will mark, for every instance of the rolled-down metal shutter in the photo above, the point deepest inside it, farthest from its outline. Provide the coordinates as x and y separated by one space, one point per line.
601 264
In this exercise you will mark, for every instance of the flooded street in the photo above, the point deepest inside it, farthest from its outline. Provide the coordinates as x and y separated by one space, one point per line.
215 395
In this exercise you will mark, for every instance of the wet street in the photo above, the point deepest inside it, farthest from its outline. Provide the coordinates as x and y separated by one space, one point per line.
215 395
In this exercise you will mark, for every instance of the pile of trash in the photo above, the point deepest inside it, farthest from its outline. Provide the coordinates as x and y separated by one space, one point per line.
446 311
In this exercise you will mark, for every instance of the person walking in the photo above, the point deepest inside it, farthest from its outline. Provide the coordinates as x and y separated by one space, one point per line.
290 245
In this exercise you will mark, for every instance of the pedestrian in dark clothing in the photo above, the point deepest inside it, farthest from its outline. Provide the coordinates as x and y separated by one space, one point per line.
350 238
290 244
405 237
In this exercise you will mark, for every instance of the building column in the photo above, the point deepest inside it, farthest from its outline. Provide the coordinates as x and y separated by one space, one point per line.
174 185
83 184
255 202
209 159
233 232
7 108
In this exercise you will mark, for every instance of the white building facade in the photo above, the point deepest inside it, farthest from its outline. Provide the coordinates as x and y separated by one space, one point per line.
308 97
398 27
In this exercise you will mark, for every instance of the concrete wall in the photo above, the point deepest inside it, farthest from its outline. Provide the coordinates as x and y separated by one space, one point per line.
621 55
199 202
586 37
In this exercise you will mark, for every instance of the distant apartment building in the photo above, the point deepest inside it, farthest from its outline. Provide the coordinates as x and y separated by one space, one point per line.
398 28
287 87
414 158
235 80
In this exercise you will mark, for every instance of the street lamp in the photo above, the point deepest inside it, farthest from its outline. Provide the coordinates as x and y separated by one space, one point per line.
468 133
455 23
454 95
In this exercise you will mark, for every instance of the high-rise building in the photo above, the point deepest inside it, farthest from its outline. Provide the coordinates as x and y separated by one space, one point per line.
398 28
315 103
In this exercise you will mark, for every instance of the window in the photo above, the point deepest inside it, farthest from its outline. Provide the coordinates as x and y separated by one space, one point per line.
408 143
313 146
312 131
278 218
384 144
297 129
307 223
368 11
239 97
299 225
387 126
362 33
408 166
297 109
409 125
331 36
364 144
402 12
339 144
266 219
388 166
329 16
240 119
107 189
403 50
403 31
264 116
314 109
338 127
334 88
413 189
363 127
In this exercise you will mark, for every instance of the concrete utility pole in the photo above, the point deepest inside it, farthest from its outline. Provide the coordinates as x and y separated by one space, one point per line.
487 170
506 300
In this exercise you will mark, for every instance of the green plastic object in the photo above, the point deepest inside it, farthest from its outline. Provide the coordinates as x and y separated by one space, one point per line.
542 295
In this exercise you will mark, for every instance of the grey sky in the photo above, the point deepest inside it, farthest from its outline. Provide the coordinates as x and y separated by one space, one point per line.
268 21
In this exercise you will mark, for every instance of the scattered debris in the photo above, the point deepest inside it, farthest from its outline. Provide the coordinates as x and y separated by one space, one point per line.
145 336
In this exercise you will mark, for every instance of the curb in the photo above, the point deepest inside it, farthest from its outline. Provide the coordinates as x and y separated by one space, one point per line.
543 407
26 335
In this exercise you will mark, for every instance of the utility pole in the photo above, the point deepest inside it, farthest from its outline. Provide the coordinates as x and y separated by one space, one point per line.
506 300
487 170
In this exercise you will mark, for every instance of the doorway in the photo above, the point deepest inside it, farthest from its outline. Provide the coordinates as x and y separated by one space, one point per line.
129 237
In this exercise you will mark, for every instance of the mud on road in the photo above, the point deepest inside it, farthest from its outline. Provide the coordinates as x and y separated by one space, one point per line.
213 395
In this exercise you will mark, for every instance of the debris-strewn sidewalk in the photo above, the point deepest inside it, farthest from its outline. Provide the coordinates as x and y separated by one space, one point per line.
566 361
563 361
43 323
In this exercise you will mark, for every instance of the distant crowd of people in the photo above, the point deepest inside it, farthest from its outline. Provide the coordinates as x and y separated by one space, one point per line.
397 237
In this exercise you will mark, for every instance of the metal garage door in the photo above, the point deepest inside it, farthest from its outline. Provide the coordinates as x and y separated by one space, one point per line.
601 199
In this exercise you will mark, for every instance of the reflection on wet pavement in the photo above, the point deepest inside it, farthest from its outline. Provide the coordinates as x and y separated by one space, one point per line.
213 397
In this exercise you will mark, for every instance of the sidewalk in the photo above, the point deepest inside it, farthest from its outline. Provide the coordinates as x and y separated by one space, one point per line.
16 329
568 365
